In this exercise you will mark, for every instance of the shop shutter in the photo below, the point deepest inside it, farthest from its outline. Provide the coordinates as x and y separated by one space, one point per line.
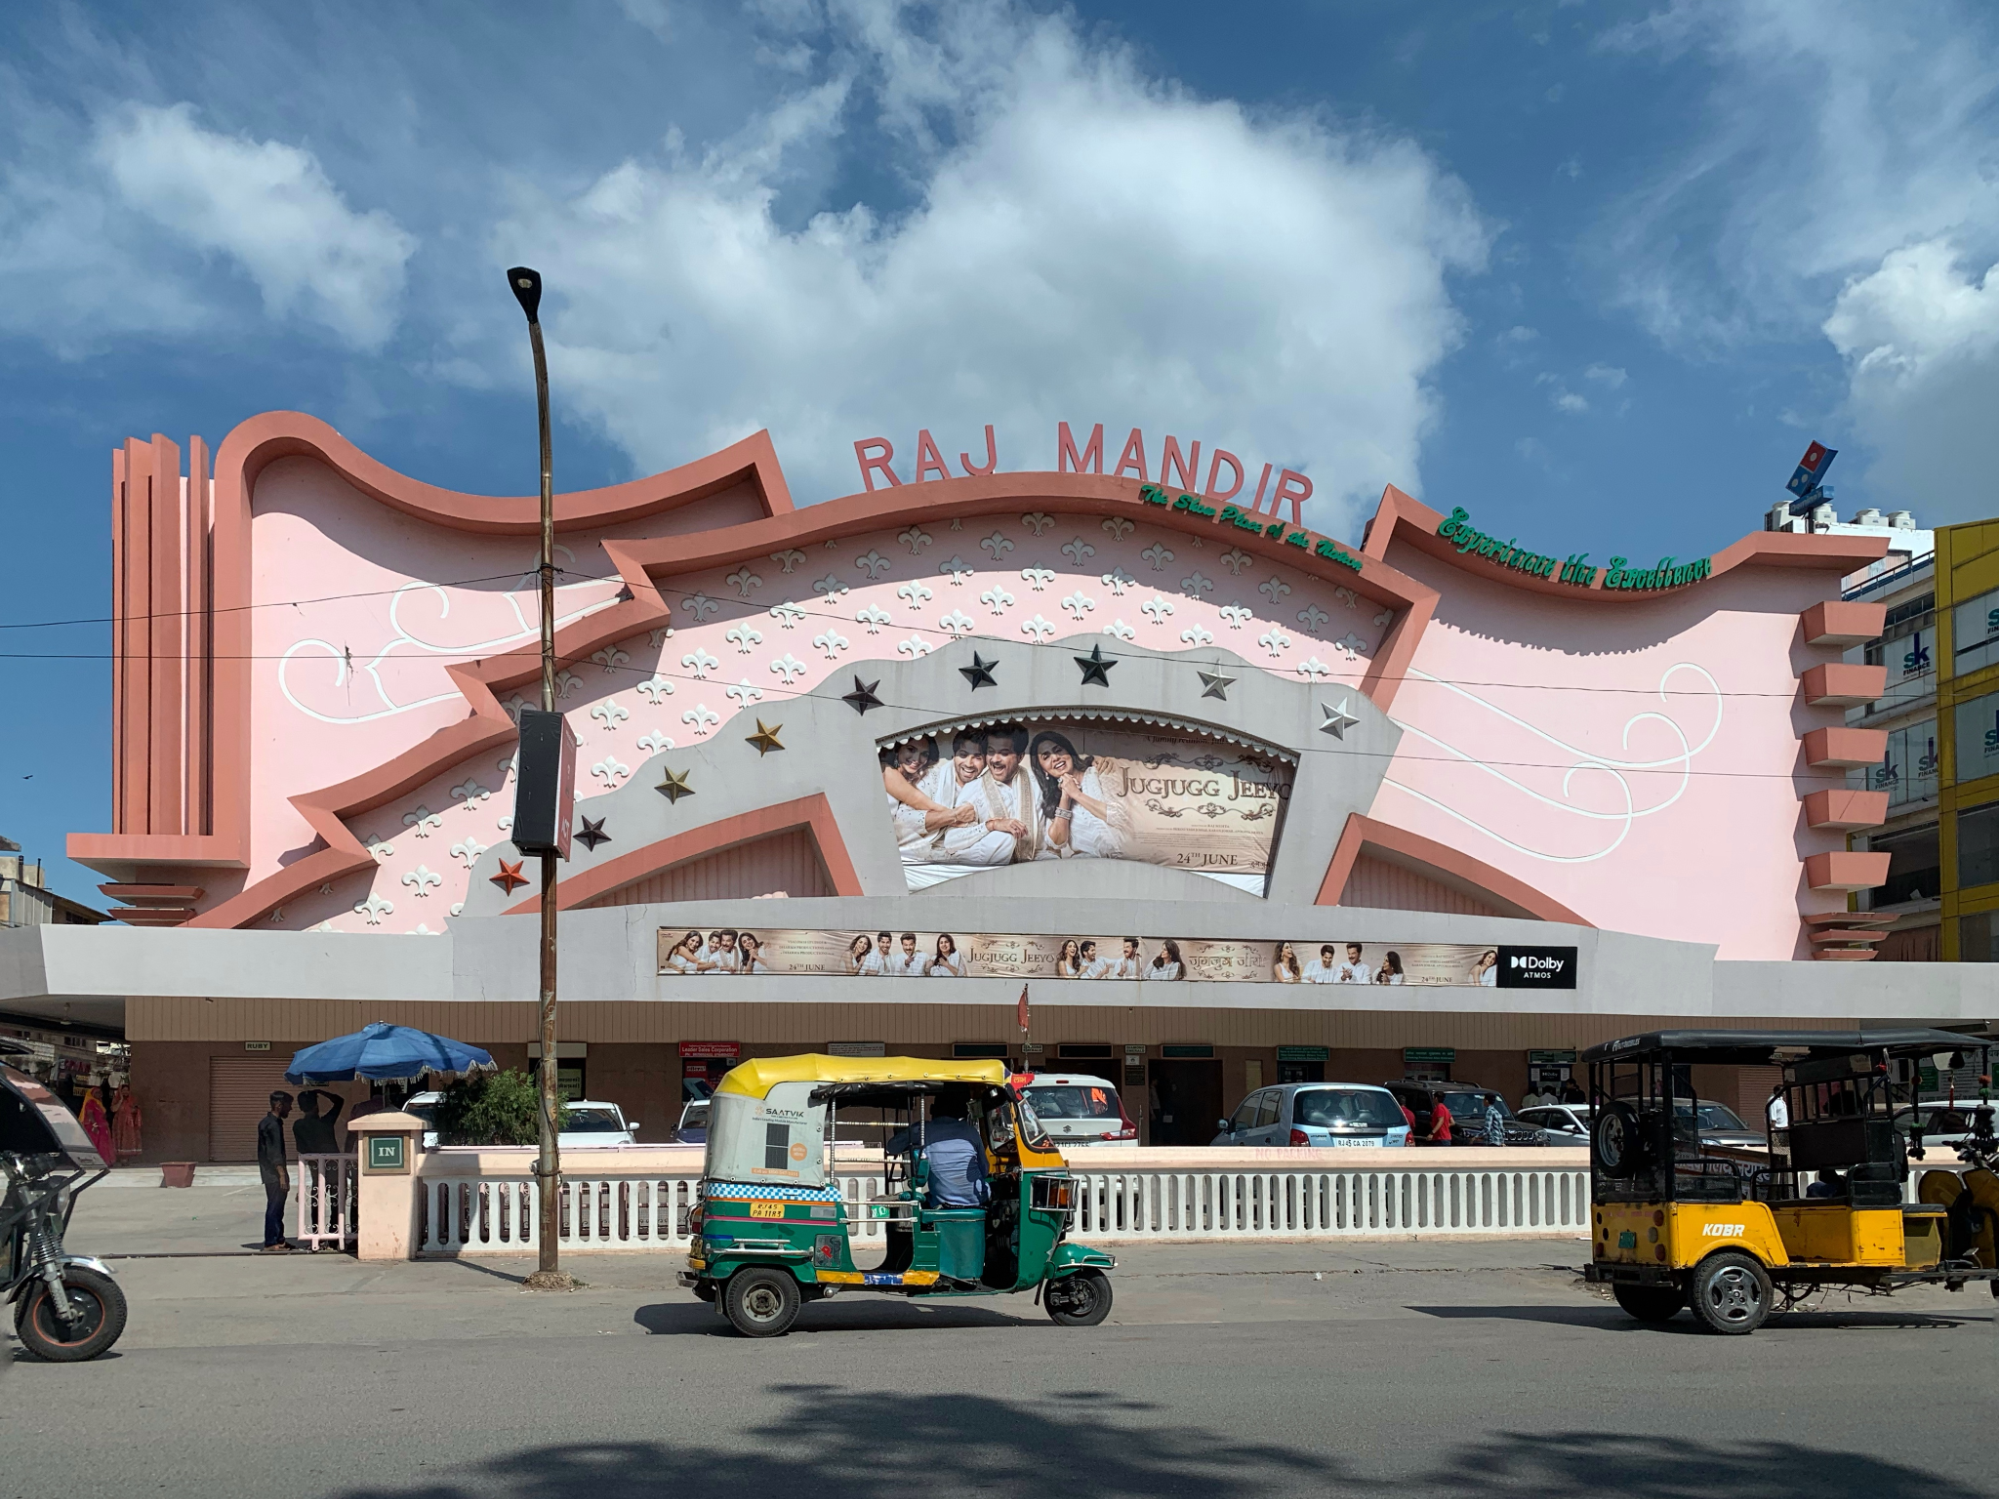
239 1094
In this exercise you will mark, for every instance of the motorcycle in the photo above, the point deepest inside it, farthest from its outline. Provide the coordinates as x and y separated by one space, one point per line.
66 1307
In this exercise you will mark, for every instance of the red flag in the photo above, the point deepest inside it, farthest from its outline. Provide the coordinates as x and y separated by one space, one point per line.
1021 1010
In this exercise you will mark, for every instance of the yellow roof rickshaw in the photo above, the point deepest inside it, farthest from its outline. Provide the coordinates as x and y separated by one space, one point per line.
1734 1233
974 1199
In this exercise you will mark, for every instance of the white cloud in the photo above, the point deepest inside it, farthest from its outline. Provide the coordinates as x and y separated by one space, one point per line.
1086 244
1571 403
1921 340
1843 177
112 235
1606 375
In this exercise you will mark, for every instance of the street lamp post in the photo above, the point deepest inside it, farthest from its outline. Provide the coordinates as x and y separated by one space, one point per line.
526 284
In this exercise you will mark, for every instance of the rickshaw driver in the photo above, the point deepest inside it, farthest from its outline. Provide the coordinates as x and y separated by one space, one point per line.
954 1149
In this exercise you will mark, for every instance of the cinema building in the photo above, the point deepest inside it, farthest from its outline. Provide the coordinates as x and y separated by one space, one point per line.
1232 802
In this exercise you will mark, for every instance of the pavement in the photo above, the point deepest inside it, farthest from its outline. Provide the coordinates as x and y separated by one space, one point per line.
1381 1367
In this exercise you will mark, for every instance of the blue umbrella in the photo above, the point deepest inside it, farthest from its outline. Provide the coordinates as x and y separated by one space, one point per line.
395 1054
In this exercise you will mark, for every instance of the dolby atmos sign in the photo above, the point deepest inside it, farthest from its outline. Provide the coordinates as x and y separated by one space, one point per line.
1537 969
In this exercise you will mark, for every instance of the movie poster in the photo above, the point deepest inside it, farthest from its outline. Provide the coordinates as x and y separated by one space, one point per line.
725 951
1056 789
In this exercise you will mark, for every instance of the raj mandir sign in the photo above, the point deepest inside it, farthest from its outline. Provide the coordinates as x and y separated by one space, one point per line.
1211 501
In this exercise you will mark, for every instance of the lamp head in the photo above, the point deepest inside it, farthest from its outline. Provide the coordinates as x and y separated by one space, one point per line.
526 283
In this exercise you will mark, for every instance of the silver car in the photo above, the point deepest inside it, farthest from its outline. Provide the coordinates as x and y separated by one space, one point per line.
1316 1115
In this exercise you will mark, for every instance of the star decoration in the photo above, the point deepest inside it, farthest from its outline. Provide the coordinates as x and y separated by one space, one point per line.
1338 720
593 834
1096 667
675 786
510 876
863 696
765 739
1215 685
980 673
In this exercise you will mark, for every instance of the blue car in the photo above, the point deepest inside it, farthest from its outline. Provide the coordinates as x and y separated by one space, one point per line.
1316 1114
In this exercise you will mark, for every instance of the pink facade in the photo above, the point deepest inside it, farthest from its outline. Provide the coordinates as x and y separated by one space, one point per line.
327 743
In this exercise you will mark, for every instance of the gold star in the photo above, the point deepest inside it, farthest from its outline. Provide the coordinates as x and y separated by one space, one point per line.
675 786
765 739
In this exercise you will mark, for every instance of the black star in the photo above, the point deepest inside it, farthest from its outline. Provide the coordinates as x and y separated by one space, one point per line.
863 696
980 673
593 834
1096 667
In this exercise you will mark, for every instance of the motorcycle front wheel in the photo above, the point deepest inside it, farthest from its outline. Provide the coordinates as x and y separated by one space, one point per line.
98 1306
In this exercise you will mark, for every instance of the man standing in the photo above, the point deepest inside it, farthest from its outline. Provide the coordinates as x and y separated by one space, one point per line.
314 1134
272 1167
1495 1121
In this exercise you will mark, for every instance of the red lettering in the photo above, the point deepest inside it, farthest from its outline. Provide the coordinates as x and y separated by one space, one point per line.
1257 504
992 456
871 462
1133 457
1190 467
1295 487
1221 456
1069 461
927 457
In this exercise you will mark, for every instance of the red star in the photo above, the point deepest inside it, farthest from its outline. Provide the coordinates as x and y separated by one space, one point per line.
510 876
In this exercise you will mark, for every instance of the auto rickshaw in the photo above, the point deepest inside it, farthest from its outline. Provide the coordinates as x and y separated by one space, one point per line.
1735 1233
772 1229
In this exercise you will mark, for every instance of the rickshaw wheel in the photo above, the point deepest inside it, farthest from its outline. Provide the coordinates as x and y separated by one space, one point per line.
1649 1304
1081 1299
1730 1293
761 1302
99 1304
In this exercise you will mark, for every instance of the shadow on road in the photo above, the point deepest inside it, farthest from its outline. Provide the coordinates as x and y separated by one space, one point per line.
1614 1320
1600 1463
831 1441
862 1315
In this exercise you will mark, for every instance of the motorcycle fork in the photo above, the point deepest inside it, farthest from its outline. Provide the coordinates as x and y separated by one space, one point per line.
51 1272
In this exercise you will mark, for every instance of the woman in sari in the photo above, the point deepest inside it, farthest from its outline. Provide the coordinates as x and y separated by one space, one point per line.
97 1125
126 1122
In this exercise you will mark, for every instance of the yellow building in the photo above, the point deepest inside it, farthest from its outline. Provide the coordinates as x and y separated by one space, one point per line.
1967 616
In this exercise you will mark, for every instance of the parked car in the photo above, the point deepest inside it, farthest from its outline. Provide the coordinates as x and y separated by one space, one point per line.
1569 1124
693 1127
1466 1102
1316 1114
1719 1125
1566 1124
1077 1109
591 1122
1944 1123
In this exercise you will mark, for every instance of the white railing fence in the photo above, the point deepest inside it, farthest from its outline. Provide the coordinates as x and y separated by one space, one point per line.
496 1214
325 1202
1325 1204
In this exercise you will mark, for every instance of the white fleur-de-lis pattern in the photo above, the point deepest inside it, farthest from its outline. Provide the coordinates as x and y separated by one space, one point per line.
882 591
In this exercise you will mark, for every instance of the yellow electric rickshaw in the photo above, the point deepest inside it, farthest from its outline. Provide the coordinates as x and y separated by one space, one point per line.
1735 1233
973 1198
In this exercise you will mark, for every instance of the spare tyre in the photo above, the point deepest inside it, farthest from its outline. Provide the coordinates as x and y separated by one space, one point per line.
1617 1142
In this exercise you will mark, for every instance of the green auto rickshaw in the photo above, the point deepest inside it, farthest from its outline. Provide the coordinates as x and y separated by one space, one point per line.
973 1198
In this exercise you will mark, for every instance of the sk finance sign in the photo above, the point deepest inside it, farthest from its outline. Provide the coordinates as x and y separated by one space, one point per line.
1213 500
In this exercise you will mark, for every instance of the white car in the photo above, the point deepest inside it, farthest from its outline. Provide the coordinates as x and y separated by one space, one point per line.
1078 1109
591 1122
1566 1124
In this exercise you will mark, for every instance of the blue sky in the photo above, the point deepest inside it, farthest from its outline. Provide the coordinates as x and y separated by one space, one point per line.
1596 272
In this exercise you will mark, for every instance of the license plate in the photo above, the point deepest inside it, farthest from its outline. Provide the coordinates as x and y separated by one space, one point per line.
765 1208
1350 1141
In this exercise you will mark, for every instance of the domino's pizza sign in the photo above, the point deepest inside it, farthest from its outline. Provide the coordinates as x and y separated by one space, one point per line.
1537 968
